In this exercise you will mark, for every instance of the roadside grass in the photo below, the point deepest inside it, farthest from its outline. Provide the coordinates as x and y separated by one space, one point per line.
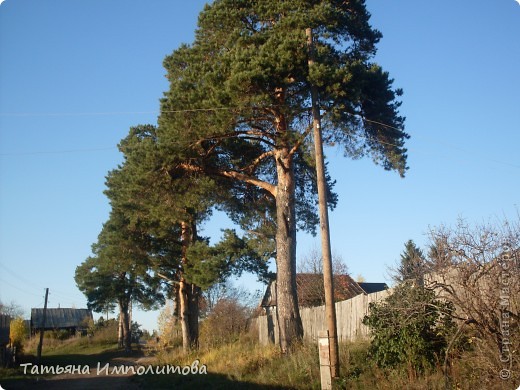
69 352
244 364
239 365
74 350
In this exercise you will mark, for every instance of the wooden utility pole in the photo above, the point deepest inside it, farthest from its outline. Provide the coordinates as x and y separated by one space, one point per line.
42 328
328 283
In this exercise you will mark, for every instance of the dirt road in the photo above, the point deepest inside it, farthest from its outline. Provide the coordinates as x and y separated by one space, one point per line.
101 377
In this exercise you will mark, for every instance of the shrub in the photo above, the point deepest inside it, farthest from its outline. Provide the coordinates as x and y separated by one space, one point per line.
228 319
410 328
17 333
105 333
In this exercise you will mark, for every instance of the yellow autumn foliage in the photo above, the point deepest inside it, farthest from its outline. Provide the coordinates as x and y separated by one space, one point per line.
17 333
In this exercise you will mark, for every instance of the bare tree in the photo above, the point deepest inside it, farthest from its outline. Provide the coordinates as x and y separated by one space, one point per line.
312 263
227 314
12 309
478 270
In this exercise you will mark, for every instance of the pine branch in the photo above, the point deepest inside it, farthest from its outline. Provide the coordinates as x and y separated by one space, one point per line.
251 167
231 175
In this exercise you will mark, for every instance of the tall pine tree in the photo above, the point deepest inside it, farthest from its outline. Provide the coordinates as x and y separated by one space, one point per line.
239 108
118 272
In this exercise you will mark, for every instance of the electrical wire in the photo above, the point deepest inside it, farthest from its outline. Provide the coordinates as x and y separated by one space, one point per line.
58 151
57 293
25 281
18 288
109 113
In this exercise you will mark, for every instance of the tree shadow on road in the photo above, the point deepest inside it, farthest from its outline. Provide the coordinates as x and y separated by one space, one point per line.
202 381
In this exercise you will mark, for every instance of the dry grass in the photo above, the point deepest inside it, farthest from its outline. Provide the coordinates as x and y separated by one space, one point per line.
246 362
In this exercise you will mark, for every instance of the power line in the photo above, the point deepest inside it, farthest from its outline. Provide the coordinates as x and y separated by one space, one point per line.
28 282
18 288
69 297
51 114
58 151
109 113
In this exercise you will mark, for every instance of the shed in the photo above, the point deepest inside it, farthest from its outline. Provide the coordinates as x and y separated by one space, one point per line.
61 318
311 291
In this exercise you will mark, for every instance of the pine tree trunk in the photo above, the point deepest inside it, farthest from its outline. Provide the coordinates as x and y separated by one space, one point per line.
120 330
193 316
189 308
188 297
288 313
175 310
125 319
184 312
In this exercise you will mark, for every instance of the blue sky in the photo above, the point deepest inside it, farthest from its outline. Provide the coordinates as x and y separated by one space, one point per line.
75 75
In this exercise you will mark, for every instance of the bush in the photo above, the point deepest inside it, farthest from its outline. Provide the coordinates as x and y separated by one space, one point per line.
105 332
228 319
17 334
410 328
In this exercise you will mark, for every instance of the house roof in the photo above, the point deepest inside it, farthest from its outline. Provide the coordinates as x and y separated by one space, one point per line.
5 325
370 288
311 292
60 318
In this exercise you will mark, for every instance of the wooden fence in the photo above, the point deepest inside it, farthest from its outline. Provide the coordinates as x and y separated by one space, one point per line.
349 315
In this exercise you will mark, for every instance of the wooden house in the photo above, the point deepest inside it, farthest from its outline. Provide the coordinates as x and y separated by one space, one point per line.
73 320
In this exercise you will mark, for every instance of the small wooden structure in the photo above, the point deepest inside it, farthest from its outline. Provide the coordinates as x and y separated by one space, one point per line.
73 320
352 301
311 293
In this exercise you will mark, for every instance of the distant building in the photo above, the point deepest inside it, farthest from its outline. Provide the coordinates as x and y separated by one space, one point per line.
73 320
370 288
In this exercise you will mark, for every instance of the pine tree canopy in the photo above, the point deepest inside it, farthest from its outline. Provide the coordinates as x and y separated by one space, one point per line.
248 69
118 269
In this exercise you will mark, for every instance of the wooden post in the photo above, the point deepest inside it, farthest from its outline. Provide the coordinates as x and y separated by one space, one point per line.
324 352
328 282
42 329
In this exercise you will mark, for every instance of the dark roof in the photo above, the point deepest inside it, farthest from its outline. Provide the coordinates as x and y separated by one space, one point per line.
5 325
370 288
60 318
311 292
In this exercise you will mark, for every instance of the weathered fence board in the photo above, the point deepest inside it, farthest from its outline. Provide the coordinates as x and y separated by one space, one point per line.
349 316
